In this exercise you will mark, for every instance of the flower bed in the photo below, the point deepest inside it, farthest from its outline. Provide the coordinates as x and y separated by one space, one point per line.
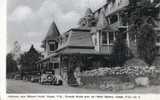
132 71
102 77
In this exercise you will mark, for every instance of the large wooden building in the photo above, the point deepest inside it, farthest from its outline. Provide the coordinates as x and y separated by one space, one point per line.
90 45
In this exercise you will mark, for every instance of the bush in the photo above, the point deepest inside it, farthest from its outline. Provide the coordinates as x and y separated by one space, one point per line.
121 78
156 62
116 71
142 81
120 50
135 62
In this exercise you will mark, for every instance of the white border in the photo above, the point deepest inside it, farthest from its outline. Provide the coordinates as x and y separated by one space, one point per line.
66 97
3 94
2 49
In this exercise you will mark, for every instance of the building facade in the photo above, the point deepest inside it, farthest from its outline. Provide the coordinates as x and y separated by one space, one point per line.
91 44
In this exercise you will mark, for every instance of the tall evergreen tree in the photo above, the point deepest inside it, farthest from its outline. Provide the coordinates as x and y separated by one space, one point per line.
11 64
28 59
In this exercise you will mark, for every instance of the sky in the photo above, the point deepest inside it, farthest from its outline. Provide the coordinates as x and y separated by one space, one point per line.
28 21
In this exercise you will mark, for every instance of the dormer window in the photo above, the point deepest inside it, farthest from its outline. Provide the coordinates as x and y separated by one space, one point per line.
104 38
111 37
113 19
53 45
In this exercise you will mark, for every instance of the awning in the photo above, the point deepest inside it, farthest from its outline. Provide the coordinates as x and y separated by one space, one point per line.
80 51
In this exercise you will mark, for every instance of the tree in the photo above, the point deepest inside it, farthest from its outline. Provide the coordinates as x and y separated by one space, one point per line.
120 51
147 44
140 19
11 64
28 59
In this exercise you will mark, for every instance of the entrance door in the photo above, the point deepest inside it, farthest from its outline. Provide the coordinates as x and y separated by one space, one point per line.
56 68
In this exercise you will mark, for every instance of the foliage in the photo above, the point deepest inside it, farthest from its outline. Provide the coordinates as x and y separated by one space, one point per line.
141 14
111 77
11 64
156 61
135 62
74 62
147 44
120 51
131 71
28 59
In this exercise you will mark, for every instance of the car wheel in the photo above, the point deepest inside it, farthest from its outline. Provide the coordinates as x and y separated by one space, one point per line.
60 82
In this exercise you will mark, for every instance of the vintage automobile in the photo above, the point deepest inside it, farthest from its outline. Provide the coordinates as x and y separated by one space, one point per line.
49 77
17 77
35 77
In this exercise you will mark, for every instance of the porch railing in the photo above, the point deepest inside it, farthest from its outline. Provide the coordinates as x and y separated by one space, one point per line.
106 49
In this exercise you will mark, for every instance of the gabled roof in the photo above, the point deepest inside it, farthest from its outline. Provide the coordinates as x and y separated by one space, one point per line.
53 32
88 12
102 22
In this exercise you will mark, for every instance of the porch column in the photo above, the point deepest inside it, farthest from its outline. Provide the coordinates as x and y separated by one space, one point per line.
109 20
114 36
64 68
108 41
60 65
128 40
107 38
118 15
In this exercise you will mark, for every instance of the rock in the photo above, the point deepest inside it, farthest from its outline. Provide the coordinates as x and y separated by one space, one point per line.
102 86
127 86
109 86
142 81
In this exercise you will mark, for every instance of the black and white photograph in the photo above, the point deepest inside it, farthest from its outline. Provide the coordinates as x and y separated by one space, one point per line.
83 47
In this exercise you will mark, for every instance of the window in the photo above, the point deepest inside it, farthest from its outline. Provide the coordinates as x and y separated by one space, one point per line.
113 19
158 39
108 38
56 65
123 31
50 66
104 37
111 37
53 45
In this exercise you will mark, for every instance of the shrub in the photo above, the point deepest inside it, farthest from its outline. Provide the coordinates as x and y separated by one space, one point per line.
142 81
115 78
156 62
130 71
120 50
147 43
135 62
